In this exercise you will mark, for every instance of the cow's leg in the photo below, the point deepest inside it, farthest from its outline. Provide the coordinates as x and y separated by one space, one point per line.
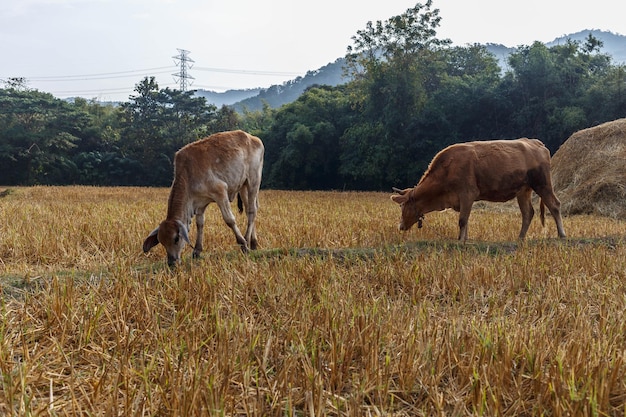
243 197
464 213
248 196
198 248
554 205
524 199
253 187
229 219
251 211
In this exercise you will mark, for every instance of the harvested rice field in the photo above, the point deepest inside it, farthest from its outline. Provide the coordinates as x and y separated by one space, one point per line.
336 314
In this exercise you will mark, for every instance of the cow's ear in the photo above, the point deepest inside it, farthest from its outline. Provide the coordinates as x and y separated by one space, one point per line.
399 198
151 241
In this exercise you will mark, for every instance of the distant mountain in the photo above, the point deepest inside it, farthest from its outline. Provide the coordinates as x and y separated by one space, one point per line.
613 44
332 74
228 97
501 53
277 95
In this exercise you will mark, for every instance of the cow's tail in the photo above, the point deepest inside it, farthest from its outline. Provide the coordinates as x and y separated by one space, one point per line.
239 203
542 211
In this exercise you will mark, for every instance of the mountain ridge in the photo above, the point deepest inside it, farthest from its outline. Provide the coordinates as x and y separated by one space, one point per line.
332 74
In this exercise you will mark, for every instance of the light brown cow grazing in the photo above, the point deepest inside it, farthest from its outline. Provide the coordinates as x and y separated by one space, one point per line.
497 170
213 169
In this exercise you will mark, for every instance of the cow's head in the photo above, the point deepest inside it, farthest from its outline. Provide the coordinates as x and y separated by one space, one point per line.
173 235
411 210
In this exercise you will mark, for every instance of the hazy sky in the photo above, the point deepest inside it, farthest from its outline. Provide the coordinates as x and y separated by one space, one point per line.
103 48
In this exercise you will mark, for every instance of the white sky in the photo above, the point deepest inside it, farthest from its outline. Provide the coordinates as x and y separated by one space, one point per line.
103 48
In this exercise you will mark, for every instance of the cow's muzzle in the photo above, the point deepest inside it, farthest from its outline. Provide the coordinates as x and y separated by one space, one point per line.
402 226
172 261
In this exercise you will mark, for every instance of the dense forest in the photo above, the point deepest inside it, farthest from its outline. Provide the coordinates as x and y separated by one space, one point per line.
410 95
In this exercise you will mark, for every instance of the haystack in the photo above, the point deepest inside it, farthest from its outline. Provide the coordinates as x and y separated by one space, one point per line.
589 171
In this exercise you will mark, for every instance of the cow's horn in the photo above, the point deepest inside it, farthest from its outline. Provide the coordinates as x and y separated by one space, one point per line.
183 231
399 191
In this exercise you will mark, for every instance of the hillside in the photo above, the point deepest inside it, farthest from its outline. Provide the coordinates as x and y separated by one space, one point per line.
501 52
277 95
332 74
229 97
614 44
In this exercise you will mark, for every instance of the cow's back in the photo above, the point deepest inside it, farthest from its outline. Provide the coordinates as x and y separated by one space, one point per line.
507 156
495 169
229 156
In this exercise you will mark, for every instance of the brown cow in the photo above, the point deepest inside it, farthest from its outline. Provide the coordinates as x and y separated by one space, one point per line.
497 170
213 169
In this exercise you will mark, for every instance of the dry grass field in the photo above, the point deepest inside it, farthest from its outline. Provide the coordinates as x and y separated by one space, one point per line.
337 314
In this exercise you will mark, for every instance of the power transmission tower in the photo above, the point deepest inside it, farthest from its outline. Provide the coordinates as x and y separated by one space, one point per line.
185 63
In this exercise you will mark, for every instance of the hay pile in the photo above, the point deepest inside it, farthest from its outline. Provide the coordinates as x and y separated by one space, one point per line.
589 171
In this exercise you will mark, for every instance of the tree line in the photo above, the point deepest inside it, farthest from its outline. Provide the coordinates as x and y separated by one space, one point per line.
410 95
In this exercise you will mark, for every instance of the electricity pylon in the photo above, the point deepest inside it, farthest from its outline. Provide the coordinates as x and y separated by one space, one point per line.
185 63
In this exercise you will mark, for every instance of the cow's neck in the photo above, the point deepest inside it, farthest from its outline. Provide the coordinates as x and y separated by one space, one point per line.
430 198
179 206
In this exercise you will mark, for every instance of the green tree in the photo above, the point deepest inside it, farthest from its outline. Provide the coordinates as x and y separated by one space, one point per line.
37 135
466 105
258 121
396 65
156 123
186 116
97 156
103 132
302 145
226 118
605 98
547 87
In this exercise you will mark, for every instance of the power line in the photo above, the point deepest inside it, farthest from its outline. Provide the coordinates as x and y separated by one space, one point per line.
184 63
248 72
221 87
100 90
101 76
95 78
134 73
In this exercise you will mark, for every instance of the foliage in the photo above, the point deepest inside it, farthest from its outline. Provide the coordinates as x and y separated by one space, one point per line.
396 65
302 145
37 134
546 87
258 121
156 123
